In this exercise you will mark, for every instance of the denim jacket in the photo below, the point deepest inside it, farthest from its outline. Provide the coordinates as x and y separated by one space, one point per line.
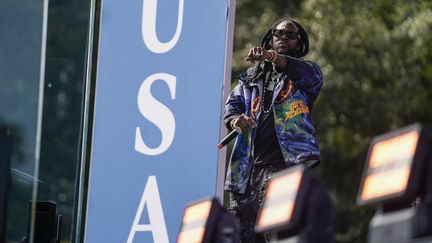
296 89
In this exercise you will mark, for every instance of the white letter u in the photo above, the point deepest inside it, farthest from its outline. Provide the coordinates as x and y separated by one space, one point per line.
149 27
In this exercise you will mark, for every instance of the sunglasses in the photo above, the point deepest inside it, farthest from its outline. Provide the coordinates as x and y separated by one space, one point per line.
288 34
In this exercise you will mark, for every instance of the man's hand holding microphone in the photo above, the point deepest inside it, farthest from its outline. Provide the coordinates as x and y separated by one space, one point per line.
239 125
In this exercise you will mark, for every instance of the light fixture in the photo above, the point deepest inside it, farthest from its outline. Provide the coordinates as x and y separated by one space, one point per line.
394 166
296 208
206 221
398 179
280 198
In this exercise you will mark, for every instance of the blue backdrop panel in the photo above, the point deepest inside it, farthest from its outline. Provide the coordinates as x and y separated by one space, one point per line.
185 165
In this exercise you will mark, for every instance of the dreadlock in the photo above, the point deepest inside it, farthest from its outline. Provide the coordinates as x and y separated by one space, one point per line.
267 43
303 47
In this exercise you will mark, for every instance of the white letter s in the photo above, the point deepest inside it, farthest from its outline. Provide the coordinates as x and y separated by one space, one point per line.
157 113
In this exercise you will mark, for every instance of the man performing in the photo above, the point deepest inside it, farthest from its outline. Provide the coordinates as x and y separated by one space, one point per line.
271 109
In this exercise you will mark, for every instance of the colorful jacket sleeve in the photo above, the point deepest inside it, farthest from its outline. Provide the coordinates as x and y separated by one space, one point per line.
235 105
306 75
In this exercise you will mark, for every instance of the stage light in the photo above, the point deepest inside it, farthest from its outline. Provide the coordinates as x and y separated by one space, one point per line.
194 221
280 199
206 221
394 165
297 208
398 179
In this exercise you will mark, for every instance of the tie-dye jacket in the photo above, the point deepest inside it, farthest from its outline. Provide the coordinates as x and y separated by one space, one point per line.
296 89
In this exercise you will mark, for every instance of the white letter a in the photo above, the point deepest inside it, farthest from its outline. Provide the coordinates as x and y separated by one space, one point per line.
156 217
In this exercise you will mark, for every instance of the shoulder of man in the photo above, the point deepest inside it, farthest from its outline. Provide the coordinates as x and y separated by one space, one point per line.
248 76
312 64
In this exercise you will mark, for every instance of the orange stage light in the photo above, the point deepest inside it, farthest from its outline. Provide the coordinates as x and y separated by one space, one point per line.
194 222
280 199
393 160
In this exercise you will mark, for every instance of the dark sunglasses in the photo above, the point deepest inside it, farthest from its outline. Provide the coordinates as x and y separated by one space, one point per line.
288 34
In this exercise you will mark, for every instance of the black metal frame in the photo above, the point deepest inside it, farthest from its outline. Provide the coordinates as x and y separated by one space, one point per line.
5 178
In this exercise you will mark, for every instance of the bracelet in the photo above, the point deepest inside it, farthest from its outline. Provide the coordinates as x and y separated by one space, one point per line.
231 123
273 56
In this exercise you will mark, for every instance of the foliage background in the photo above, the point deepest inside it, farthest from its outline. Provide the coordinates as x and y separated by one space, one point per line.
377 64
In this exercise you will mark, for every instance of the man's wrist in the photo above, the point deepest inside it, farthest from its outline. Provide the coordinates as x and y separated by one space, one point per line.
231 123
272 56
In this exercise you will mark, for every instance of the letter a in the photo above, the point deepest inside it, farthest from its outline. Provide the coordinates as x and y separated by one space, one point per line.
156 217
148 27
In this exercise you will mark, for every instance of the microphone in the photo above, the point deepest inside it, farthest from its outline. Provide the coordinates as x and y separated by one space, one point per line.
227 139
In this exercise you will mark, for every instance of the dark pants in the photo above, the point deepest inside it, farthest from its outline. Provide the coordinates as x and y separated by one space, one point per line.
245 206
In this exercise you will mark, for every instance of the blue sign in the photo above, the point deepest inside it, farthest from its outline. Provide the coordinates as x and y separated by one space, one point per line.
157 116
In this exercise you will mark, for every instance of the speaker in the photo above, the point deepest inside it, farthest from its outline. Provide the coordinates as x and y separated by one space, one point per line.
5 177
48 225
